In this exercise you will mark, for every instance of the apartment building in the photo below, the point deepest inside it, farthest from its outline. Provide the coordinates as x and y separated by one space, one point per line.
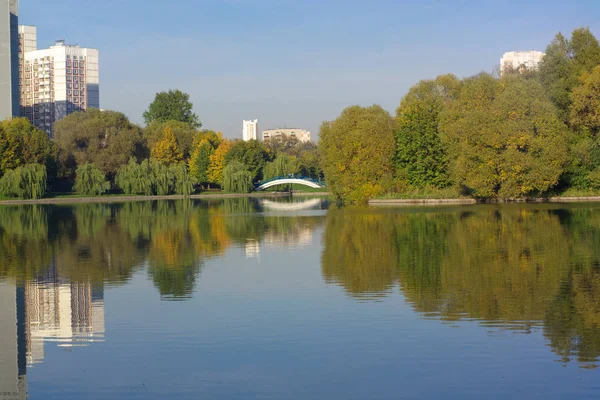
250 130
517 60
57 81
9 59
291 133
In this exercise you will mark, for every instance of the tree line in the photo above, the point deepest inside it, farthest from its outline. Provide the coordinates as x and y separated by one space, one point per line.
96 152
519 134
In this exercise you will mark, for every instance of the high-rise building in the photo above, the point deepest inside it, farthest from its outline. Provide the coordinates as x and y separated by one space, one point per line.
519 60
250 130
9 59
13 379
56 81
292 133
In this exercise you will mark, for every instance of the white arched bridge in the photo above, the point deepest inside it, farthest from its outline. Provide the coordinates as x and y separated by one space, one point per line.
290 180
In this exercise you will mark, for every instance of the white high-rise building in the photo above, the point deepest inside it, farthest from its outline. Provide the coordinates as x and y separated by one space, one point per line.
56 81
516 60
250 130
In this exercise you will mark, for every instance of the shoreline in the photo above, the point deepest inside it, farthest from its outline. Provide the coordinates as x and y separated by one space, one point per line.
126 199
416 202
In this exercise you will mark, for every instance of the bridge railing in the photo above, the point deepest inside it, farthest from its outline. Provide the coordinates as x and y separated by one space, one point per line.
291 176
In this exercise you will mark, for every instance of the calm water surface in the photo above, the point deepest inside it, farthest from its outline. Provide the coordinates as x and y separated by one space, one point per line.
271 299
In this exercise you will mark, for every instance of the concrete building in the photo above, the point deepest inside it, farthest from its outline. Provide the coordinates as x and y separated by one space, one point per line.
518 60
13 380
291 133
56 81
9 59
250 130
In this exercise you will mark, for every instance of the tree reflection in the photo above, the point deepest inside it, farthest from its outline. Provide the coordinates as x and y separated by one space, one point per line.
518 267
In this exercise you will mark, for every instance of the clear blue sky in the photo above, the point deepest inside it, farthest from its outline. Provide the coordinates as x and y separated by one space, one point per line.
293 63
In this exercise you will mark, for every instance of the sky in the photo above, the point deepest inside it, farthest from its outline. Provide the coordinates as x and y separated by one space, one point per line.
293 63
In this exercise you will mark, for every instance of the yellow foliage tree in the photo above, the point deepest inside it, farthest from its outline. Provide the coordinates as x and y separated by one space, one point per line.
217 163
167 150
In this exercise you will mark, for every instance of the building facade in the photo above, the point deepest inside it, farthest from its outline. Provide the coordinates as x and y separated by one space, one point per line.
250 130
9 59
290 133
56 82
518 60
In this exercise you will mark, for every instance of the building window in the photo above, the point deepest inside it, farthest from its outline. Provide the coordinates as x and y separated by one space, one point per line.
69 79
68 72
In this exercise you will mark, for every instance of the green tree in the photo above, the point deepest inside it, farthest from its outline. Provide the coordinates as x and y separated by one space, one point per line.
90 181
167 150
504 138
565 61
237 178
173 105
27 182
357 152
22 143
185 134
104 138
252 154
585 107
200 162
421 153
282 165
152 177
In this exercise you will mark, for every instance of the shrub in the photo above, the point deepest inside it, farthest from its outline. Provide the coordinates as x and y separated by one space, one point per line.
90 181
27 182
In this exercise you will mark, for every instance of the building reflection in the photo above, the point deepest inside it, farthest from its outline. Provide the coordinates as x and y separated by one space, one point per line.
13 370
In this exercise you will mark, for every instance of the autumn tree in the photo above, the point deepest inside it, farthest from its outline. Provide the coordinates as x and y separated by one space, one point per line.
565 61
22 143
504 138
185 134
217 163
357 152
104 138
421 155
167 150
173 105
585 107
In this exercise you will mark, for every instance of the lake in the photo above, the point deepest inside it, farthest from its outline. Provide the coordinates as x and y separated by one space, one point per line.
293 299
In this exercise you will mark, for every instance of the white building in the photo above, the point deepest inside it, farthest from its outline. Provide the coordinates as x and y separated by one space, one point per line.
516 60
250 130
9 59
291 133
56 81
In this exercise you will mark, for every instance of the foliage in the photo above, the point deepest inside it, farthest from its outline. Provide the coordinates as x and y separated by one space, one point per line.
585 107
357 152
21 143
565 61
184 133
217 162
282 165
26 182
503 138
200 162
167 149
253 154
90 180
420 149
104 138
237 178
173 105
151 177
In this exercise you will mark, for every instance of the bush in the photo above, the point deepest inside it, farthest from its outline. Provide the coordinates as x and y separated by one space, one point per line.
90 181
27 182
236 178
152 178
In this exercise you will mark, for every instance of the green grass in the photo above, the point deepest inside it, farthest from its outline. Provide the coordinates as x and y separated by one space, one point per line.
429 193
579 193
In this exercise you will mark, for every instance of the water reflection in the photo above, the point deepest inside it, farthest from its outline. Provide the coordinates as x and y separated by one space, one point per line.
514 267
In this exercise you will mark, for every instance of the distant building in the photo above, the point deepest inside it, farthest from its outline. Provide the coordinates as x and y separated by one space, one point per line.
519 60
291 133
9 59
250 130
56 81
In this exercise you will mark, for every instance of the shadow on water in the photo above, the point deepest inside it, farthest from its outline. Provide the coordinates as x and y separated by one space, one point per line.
512 267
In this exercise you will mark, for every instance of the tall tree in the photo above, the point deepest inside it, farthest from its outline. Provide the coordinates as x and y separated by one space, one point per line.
217 162
173 105
585 109
167 150
200 161
504 138
357 151
421 154
22 143
184 133
104 138
252 154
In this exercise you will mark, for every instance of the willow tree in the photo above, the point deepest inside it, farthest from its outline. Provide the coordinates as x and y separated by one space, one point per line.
90 180
282 165
357 151
27 182
504 138
237 178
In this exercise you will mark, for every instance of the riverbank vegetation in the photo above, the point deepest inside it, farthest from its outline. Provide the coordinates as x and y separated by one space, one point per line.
519 135
99 152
